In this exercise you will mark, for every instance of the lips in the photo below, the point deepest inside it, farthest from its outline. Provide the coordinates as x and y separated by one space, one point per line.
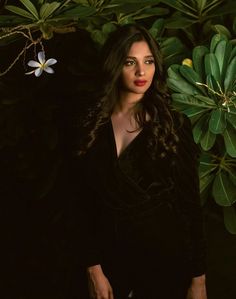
140 82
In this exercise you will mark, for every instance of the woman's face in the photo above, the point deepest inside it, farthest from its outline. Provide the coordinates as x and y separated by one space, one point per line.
138 69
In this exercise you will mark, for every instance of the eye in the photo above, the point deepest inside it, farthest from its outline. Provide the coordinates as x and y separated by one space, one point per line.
149 61
129 62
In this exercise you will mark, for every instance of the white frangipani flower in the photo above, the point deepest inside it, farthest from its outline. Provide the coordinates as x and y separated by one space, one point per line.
41 65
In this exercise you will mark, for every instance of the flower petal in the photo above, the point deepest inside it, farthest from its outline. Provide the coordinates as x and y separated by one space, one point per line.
29 73
38 72
34 63
41 57
49 70
50 61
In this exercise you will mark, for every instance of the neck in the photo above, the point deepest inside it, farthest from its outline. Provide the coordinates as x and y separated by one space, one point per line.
127 102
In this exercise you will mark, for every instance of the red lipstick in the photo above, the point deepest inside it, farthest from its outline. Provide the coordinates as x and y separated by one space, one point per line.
140 82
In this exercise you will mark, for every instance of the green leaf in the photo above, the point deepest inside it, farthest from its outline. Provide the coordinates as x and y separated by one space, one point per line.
232 176
180 8
230 219
208 140
193 111
200 128
19 11
231 119
98 36
230 141
230 75
30 6
201 5
205 182
182 86
149 12
207 166
171 46
12 20
222 52
47 9
199 53
224 191
217 122
192 77
221 30
108 28
77 12
210 102
212 66
214 87
189 100
215 40
157 28
176 22
233 54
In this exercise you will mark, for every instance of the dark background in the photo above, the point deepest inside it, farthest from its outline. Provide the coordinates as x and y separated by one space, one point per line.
40 231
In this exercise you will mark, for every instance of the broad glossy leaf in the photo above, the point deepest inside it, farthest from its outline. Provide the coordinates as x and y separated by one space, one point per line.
230 76
212 87
192 77
176 22
200 127
205 182
108 28
206 167
180 8
193 111
222 30
212 66
98 36
230 141
232 54
128 7
224 191
215 40
172 46
30 6
217 122
77 12
210 102
232 176
208 140
19 11
149 12
157 28
232 119
222 52
230 219
199 53
47 9
182 86
10 20
201 4
190 100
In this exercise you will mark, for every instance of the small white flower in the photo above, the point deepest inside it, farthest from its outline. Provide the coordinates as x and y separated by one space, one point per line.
42 65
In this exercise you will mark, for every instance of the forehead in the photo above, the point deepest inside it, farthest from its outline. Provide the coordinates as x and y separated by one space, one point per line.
140 48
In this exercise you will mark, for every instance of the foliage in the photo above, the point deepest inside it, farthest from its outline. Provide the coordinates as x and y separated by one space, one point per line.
195 16
206 93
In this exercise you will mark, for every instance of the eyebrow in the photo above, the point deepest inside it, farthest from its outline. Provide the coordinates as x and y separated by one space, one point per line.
133 57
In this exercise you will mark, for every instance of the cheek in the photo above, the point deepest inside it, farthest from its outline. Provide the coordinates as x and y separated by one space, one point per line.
152 73
125 78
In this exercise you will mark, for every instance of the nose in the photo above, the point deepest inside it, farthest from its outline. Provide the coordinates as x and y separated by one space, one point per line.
140 70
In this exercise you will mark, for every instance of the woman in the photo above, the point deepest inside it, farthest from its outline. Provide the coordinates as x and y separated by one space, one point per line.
143 230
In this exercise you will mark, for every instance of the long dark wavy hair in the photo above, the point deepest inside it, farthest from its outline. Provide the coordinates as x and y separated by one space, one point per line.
155 103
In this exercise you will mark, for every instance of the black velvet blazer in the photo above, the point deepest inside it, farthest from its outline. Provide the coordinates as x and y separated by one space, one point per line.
116 192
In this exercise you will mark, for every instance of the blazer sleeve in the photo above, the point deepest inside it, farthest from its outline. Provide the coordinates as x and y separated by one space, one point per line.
187 184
